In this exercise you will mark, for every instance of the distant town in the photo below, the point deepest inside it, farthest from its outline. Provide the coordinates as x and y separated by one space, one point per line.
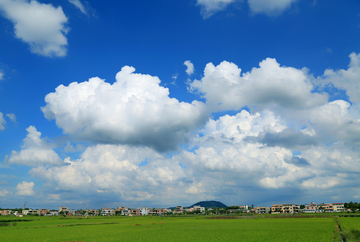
204 208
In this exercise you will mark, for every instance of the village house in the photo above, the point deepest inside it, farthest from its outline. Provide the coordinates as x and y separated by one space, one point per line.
178 209
144 211
119 209
30 212
63 209
261 210
325 207
201 209
44 211
5 212
277 208
54 213
125 212
338 207
157 211
245 207
94 212
107 212
310 208
290 208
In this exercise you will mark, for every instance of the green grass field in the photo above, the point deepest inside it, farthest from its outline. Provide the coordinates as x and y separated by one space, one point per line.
350 228
169 229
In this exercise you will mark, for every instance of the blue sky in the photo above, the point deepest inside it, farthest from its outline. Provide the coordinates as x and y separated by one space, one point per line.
167 103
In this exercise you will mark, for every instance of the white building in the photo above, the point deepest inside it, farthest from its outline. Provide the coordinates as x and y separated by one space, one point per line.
107 212
125 212
30 211
144 211
338 207
202 209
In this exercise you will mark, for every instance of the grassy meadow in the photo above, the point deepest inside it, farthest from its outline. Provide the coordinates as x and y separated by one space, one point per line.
350 228
169 229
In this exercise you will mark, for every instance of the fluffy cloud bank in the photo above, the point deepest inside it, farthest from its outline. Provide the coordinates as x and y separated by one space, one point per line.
289 143
127 172
224 154
134 110
225 88
36 151
40 25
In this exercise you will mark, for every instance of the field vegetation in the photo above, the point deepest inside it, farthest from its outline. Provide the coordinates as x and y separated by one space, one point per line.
350 228
154 228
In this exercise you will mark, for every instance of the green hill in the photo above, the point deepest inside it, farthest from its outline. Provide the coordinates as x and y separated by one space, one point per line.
209 204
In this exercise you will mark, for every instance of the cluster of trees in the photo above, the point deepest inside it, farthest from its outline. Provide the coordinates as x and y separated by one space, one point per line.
352 205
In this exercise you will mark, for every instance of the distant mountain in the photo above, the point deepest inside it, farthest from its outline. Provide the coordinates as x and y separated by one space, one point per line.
209 204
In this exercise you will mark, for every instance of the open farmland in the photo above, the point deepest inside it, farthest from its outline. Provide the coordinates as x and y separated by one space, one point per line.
169 229
350 227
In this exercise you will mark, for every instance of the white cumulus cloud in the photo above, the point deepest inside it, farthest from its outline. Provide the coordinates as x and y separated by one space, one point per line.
335 120
40 25
347 80
25 189
134 110
269 7
35 151
225 88
116 169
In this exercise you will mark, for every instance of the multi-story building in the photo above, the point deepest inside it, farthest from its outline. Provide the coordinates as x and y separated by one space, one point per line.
325 207
135 212
277 208
44 211
144 211
30 212
338 207
94 212
158 211
119 209
201 209
291 208
178 209
63 209
244 208
107 212
5 212
261 210
310 208
125 212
